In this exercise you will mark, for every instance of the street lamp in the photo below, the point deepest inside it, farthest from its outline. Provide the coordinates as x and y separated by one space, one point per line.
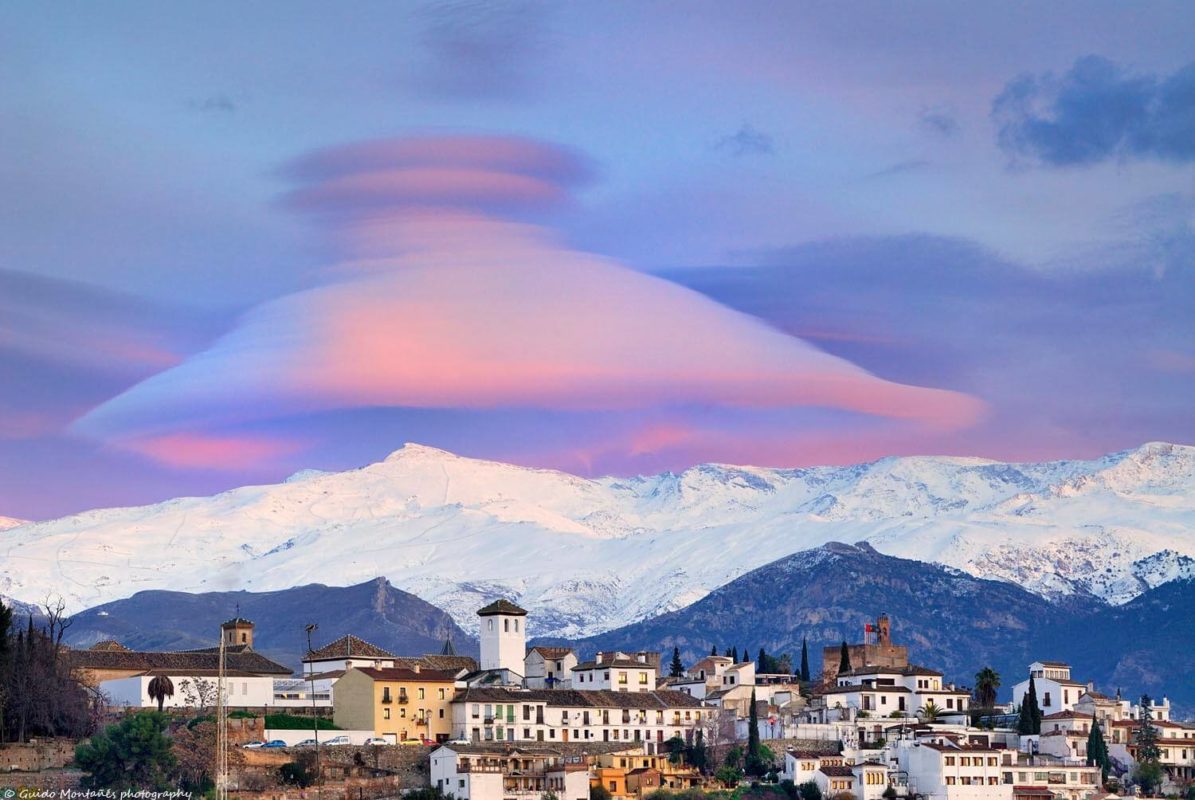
312 627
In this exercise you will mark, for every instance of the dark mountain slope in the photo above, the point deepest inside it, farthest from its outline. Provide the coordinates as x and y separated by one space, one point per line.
375 611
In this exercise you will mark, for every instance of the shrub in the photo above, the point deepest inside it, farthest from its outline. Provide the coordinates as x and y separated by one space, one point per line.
291 722
599 792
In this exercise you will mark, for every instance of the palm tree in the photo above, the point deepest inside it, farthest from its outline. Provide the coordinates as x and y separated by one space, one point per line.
160 688
987 681
930 712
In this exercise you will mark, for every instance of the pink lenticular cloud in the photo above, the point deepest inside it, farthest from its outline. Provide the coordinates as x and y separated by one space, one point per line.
455 309
199 451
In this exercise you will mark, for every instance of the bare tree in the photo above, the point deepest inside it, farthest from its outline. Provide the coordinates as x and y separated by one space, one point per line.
199 693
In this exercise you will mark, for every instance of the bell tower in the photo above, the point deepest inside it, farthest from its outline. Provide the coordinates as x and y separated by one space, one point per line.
237 631
503 636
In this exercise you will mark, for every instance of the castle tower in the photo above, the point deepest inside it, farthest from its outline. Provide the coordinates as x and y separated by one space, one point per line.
503 636
237 631
884 629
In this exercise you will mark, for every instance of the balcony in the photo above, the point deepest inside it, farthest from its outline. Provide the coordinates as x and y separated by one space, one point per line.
403 699
423 721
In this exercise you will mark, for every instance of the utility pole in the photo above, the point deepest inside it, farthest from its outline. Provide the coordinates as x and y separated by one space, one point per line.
221 728
312 627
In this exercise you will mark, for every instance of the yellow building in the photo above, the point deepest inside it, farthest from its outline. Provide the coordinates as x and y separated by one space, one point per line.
395 703
631 774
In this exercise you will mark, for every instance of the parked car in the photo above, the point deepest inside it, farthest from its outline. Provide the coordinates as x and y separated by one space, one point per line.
376 740
252 745
338 741
418 742
275 743
307 743
461 740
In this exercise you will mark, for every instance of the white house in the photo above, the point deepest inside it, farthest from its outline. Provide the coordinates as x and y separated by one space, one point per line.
344 653
496 771
646 719
893 692
942 769
192 689
618 672
549 667
1056 691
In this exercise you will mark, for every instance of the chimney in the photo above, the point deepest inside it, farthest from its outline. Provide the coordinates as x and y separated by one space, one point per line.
599 658
416 667
642 657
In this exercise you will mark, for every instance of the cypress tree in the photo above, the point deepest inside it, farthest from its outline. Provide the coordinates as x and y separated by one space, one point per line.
734 655
761 664
1029 722
1097 750
753 760
804 660
844 660
677 669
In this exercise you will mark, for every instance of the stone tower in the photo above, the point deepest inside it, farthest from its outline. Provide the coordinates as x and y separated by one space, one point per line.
237 631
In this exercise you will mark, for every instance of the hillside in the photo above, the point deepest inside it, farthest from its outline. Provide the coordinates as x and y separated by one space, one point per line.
949 620
586 556
374 611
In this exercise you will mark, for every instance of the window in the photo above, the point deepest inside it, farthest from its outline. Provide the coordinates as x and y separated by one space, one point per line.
385 713
421 694
1046 702
516 626
442 694
385 694
506 626
950 761
490 622
950 702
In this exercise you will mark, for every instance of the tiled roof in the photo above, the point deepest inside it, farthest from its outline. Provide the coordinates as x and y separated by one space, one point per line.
502 606
1065 715
246 661
550 652
110 646
836 772
440 662
348 646
576 698
538 748
1054 664
235 621
399 674
911 669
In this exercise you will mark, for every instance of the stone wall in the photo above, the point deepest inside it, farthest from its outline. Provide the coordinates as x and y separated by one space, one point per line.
36 755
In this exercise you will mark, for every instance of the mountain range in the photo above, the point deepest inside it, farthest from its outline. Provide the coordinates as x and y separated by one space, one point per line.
949 620
587 556
374 611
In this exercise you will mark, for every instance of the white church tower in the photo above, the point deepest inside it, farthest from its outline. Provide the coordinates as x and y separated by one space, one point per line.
503 636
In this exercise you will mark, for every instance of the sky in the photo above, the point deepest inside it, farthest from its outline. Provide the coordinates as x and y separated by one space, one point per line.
610 238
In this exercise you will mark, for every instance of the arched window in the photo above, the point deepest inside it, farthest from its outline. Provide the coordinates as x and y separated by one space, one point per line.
506 625
491 621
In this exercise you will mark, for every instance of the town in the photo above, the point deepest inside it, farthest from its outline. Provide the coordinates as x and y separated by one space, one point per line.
539 723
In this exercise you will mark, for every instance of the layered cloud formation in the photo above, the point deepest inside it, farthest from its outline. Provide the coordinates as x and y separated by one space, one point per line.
443 301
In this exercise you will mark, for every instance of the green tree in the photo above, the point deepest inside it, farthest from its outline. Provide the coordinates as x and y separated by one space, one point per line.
734 655
804 660
132 754
598 792
1148 772
676 749
844 659
930 712
714 650
677 669
753 761
809 791
987 681
729 776
1097 750
698 755
761 663
1029 721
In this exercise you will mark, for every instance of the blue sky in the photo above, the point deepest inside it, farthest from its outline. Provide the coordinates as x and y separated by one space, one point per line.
994 201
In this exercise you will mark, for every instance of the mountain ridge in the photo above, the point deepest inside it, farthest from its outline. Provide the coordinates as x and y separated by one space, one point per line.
455 530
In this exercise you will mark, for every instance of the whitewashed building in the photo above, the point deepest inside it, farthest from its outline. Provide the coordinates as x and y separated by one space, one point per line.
1056 690
549 667
645 719
618 672
494 771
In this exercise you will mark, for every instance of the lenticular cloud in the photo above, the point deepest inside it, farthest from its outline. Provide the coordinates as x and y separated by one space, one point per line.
443 302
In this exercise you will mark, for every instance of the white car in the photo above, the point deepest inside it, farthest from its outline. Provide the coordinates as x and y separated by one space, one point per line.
376 740
336 741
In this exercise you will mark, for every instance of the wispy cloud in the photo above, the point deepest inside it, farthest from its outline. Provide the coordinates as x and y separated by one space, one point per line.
939 120
902 168
746 141
1095 112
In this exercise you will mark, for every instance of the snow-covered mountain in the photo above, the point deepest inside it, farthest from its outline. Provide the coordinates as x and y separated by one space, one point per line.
589 555
10 522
